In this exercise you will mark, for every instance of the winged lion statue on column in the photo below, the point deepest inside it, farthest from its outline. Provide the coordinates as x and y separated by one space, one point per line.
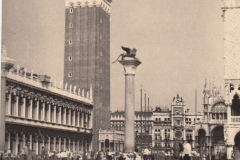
129 53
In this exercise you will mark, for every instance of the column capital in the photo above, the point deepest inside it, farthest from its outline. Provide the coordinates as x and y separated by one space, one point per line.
130 66
30 95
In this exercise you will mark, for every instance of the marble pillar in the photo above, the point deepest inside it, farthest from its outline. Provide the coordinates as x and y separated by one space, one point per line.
9 103
64 115
49 113
16 105
229 151
130 67
78 115
36 116
73 117
54 114
23 108
229 114
59 115
43 112
30 109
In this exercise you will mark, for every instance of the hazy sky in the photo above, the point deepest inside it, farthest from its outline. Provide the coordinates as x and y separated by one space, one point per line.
180 42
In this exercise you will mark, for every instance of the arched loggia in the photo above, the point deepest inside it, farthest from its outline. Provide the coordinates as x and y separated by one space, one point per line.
202 141
107 145
218 144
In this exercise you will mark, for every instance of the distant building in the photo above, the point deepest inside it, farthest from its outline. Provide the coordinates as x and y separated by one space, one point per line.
111 140
159 128
87 54
34 110
173 124
143 126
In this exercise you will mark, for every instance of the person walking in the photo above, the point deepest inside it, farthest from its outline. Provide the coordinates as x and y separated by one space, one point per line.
43 153
98 156
25 151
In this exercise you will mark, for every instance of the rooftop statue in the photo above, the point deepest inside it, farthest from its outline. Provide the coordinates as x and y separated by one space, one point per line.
129 53
3 51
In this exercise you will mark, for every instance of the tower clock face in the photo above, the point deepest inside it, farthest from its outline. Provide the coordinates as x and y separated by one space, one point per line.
178 134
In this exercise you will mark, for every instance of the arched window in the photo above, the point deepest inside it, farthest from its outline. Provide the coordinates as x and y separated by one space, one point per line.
236 106
70 58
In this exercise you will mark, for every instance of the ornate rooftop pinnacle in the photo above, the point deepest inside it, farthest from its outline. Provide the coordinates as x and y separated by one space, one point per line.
6 63
3 51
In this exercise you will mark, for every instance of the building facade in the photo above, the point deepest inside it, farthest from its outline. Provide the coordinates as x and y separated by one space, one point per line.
87 54
42 113
219 133
111 141
143 127
210 130
173 124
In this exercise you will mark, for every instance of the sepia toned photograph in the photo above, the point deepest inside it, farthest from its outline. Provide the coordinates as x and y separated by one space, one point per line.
120 80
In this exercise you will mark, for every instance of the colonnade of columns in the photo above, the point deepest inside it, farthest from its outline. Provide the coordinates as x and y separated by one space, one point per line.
116 146
218 116
45 109
15 141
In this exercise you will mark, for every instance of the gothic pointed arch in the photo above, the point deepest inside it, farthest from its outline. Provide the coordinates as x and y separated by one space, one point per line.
235 108
237 141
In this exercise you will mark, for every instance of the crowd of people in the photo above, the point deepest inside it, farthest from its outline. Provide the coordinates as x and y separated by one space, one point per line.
27 154
186 154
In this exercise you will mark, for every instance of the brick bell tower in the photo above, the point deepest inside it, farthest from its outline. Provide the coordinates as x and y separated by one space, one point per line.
87 55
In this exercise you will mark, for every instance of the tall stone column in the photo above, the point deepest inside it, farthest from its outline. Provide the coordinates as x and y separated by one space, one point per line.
130 67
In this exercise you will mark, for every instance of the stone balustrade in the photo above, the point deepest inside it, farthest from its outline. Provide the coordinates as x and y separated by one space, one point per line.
235 119
67 91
